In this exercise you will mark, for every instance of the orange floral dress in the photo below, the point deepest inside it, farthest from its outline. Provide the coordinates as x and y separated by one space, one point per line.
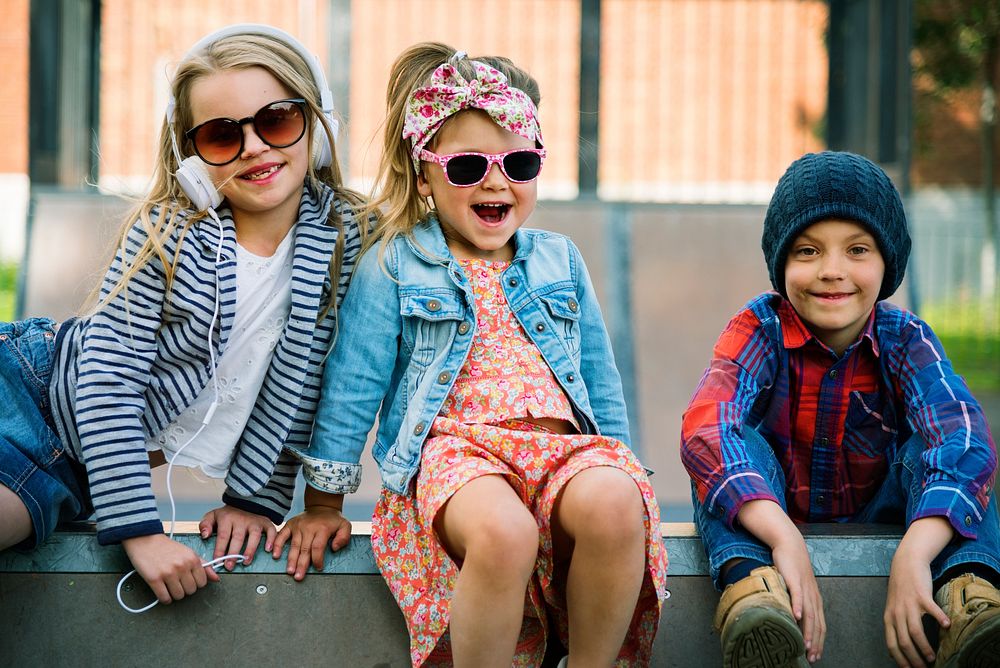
481 431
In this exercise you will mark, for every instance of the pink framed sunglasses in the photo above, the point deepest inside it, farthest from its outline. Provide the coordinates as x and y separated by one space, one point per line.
470 169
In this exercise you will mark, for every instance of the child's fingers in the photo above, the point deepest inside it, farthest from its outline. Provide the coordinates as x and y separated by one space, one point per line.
200 576
235 544
279 541
174 588
211 574
222 534
159 588
818 631
905 634
937 613
293 552
342 537
272 531
207 524
302 563
253 540
318 551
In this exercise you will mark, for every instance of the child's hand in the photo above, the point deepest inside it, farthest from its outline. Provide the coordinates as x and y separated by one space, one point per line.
910 596
171 570
232 527
792 560
766 520
310 532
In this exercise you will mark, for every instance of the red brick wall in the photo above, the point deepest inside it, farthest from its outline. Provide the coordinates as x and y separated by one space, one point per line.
694 93
14 86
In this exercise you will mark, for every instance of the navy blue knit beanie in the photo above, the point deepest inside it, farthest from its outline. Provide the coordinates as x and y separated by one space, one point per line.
820 186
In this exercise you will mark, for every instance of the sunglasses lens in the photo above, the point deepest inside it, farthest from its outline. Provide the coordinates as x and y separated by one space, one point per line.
218 142
280 124
466 170
522 165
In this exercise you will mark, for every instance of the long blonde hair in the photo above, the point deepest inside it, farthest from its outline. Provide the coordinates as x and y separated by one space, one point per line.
165 195
396 197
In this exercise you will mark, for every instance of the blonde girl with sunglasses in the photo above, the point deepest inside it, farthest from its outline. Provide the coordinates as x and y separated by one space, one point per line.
510 494
211 325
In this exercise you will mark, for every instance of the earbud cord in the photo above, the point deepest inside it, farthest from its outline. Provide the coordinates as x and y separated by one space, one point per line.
215 564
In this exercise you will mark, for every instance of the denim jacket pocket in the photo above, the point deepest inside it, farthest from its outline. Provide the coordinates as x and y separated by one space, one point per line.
425 316
870 426
565 312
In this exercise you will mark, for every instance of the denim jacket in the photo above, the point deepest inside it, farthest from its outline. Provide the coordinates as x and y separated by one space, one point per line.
406 328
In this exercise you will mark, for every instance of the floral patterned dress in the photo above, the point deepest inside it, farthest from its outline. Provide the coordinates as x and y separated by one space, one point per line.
481 430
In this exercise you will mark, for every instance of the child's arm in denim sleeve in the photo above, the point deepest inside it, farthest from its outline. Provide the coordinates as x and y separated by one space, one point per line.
356 378
712 447
597 360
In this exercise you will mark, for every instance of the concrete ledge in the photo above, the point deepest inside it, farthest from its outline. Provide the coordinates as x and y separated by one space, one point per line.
836 550
59 608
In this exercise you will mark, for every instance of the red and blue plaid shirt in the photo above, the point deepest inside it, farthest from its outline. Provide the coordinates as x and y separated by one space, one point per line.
835 422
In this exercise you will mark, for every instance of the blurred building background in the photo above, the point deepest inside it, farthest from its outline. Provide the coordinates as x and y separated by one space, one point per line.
667 124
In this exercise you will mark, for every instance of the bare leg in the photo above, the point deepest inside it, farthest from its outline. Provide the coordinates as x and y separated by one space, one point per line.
486 528
15 522
598 522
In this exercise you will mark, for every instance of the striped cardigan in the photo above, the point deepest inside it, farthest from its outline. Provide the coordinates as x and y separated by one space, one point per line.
124 373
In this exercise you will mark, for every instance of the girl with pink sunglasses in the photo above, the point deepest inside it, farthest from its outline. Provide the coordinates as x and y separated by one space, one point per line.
511 498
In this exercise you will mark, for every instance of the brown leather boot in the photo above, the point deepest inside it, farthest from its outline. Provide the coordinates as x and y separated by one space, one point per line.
973 639
755 620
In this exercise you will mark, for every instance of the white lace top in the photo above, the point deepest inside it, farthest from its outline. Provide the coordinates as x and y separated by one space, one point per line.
263 300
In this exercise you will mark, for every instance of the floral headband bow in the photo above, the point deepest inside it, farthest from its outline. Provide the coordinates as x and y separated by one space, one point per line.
449 93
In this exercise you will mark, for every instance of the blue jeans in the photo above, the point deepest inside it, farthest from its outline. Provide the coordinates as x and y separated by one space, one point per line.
892 504
33 460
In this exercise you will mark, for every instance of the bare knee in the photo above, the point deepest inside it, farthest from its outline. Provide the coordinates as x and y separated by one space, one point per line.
603 507
504 544
15 520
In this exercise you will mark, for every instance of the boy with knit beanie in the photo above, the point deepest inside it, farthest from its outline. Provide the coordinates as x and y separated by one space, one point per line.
824 403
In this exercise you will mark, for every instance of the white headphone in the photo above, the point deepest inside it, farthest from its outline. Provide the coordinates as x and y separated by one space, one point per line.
191 174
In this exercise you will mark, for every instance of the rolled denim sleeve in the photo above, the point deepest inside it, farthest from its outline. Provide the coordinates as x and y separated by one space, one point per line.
356 377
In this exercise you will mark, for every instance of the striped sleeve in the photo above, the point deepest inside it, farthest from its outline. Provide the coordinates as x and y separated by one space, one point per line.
118 348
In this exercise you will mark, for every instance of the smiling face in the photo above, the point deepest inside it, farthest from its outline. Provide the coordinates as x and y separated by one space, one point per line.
264 182
478 221
833 274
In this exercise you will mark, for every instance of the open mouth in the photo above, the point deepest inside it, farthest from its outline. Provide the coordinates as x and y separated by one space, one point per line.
260 174
491 213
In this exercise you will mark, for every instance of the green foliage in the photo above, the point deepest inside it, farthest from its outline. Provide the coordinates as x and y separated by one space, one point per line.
954 39
970 333
8 290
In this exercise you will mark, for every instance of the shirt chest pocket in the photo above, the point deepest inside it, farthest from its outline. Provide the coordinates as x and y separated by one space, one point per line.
430 320
564 310
870 427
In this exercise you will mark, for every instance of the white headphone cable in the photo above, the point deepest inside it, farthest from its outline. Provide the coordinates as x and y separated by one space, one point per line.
217 563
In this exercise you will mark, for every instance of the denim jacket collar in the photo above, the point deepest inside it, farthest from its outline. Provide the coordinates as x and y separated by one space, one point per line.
427 242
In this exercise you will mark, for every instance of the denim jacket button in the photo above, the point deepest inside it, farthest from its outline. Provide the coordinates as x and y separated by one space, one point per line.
444 377
540 327
512 282
968 521
419 429
570 378
433 305
463 328
573 306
